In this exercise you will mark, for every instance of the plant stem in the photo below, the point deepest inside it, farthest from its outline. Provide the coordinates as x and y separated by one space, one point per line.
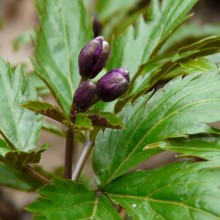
69 154
36 175
82 160
30 171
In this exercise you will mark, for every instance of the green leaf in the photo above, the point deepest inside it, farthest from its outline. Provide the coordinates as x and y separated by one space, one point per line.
180 191
107 9
115 16
147 38
19 157
64 30
186 35
205 147
200 64
46 109
106 120
65 199
12 178
20 127
41 87
182 107
25 38
155 70
23 158
4 148
82 121
190 66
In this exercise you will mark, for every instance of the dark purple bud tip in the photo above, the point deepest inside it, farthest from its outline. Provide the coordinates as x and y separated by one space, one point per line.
84 96
97 27
113 84
93 57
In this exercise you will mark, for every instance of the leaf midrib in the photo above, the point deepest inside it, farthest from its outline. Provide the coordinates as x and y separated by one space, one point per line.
9 103
66 47
150 130
163 202
155 107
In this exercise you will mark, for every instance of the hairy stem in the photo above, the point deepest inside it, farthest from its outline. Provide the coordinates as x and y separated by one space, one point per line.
82 160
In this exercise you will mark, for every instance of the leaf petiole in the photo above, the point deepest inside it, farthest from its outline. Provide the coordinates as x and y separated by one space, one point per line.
88 145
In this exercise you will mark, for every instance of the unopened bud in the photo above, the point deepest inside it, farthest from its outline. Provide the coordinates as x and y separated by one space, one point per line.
96 26
84 96
113 84
93 57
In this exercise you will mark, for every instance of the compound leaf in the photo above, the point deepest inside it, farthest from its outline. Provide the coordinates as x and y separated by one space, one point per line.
65 199
206 147
184 106
11 177
181 191
106 120
64 30
46 109
20 127
155 70
147 38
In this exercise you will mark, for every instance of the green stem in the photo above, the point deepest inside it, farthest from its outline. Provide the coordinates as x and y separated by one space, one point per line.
69 145
82 160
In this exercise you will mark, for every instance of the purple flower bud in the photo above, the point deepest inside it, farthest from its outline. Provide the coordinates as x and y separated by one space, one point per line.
93 57
113 84
85 96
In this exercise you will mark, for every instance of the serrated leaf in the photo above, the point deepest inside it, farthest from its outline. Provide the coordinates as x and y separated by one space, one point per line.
147 38
200 64
206 147
40 86
24 39
190 66
20 127
106 120
46 109
152 72
20 158
186 35
210 42
82 121
4 148
179 191
23 158
10 177
182 107
107 9
64 30
115 15
65 199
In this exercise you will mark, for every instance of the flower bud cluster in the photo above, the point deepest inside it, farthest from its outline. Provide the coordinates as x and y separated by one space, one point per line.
109 87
